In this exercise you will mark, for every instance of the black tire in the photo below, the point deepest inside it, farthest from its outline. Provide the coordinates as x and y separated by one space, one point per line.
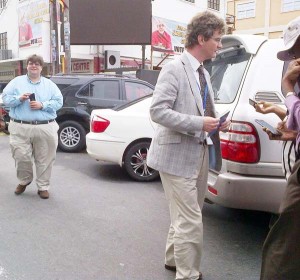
135 163
71 137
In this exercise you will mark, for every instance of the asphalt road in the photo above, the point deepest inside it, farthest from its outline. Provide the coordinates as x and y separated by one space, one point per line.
99 224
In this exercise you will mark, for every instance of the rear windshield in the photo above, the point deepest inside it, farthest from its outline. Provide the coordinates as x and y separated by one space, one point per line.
63 83
226 72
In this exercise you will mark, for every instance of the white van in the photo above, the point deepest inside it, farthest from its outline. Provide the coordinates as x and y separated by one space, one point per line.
251 175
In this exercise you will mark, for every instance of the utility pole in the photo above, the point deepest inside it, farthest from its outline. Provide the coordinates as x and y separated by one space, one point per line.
67 48
54 37
143 56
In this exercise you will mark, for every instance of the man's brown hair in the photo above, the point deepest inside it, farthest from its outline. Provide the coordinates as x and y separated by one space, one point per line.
205 24
35 59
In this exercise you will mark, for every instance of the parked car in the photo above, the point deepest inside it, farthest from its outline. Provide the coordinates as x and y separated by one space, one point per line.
251 176
2 86
82 94
123 135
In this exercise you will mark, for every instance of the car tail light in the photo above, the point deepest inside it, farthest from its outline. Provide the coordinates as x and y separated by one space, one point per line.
240 143
99 124
2 112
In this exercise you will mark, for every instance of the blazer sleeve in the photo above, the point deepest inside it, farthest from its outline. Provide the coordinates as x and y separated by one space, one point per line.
162 108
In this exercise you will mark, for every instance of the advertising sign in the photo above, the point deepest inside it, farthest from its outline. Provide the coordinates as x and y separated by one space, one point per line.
168 36
31 16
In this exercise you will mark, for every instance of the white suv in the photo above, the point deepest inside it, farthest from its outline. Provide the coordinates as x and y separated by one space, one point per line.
251 176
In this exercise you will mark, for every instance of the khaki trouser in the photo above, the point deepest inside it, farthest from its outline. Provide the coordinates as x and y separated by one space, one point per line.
36 143
185 198
281 250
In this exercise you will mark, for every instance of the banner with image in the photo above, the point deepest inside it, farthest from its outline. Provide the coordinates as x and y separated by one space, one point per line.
168 36
31 15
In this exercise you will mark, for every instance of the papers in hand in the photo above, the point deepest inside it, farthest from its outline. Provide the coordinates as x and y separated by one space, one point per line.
223 118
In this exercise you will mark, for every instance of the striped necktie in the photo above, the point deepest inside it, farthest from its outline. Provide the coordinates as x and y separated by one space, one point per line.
203 85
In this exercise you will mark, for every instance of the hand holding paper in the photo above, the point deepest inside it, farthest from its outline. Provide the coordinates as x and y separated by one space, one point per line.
222 124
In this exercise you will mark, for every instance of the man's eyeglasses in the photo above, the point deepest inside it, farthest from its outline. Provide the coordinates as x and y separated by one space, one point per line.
34 64
160 25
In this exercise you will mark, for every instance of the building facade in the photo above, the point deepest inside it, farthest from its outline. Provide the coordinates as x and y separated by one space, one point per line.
25 29
261 17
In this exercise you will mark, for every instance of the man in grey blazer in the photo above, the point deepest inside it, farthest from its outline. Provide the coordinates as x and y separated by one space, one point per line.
183 108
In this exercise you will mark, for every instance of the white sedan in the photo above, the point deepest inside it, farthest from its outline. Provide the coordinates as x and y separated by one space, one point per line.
122 135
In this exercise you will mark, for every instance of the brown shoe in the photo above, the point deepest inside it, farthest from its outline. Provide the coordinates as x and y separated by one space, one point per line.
21 188
173 268
43 194
170 267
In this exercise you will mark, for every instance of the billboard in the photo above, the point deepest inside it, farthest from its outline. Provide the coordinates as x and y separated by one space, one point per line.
110 22
30 19
168 36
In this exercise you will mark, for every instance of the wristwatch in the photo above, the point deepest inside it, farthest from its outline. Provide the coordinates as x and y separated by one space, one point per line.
290 93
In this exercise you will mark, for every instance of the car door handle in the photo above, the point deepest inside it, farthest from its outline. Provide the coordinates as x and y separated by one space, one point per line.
82 103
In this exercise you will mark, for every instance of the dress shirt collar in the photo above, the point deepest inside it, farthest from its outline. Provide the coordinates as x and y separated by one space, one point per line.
30 81
194 61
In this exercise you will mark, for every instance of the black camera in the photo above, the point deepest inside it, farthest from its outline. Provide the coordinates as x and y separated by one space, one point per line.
32 97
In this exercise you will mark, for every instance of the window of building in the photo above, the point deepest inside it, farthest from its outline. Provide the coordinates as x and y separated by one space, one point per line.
246 10
3 4
3 41
214 4
290 5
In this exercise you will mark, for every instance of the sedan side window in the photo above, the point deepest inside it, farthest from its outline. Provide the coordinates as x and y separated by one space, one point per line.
85 92
136 90
108 90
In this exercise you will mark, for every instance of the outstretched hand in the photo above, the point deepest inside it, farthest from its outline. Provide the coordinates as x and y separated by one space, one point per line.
210 124
265 107
286 135
225 126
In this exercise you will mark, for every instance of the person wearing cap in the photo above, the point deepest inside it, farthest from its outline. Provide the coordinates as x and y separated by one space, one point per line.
281 250
33 129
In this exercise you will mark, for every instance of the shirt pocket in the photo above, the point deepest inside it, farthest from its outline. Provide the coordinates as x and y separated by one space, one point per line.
169 139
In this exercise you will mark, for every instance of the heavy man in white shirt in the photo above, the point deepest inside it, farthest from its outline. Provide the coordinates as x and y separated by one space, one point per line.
33 102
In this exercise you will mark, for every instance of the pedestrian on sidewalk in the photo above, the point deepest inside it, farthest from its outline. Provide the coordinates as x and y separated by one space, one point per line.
183 107
33 102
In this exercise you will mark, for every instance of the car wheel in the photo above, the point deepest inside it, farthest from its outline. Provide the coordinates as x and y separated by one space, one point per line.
71 137
135 163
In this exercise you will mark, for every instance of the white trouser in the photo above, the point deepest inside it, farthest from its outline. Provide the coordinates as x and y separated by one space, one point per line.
34 142
185 198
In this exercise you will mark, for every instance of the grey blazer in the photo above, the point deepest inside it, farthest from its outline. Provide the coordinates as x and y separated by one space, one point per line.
177 109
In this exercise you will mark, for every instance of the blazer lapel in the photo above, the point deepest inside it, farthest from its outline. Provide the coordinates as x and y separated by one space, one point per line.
192 81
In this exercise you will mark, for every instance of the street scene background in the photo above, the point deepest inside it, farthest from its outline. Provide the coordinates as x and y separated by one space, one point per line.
99 224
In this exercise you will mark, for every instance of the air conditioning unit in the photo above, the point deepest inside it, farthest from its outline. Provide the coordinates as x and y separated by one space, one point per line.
5 54
112 59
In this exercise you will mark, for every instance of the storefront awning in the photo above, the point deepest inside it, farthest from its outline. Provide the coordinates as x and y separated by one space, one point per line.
10 61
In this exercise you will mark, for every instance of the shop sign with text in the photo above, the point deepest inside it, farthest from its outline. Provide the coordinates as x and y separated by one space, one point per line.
81 66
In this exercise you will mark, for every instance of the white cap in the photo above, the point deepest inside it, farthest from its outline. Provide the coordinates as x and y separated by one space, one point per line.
290 36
